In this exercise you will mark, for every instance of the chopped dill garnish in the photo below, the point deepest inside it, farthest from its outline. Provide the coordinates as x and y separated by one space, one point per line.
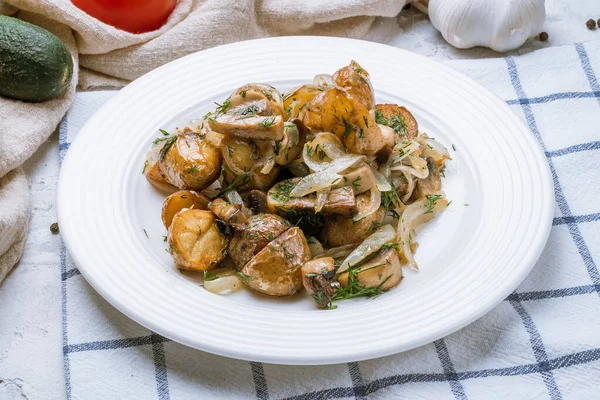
347 127
168 142
282 191
193 169
358 70
375 225
355 184
366 121
165 133
443 171
239 181
286 252
221 108
453 147
356 289
146 233
208 278
267 122
244 277
431 200
243 94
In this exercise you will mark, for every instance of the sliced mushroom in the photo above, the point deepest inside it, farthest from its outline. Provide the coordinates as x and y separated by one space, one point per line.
229 213
316 279
399 119
260 231
360 179
189 161
254 111
196 241
258 92
275 270
384 270
340 201
243 161
430 185
256 200
250 127
356 81
288 149
339 231
280 202
180 200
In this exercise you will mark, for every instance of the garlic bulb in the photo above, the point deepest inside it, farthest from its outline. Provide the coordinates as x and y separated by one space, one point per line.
501 25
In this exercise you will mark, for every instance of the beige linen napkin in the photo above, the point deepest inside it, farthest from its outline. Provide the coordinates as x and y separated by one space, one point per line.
109 57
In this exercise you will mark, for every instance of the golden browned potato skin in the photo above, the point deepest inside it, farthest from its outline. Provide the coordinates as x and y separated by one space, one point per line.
388 111
356 81
195 241
242 157
180 200
385 269
192 162
275 270
296 103
261 230
343 230
336 112
157 178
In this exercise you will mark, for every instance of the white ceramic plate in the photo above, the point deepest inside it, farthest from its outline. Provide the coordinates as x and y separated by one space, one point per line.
471 256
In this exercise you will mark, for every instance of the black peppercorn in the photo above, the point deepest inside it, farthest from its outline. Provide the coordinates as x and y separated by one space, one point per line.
591 24
54 227
544 36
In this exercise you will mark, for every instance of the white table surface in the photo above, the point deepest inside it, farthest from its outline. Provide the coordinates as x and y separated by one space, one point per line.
31 359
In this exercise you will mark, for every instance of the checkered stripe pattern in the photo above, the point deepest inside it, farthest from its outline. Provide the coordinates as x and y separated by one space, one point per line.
519 338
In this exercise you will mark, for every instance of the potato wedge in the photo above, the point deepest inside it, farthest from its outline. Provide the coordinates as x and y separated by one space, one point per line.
275 270
180 200
356 81
195 240
261 230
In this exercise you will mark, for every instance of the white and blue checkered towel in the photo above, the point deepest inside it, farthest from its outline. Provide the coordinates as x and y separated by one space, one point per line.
542 342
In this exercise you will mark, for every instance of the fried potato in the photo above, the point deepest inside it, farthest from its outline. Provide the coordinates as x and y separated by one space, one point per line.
180 200
261 230
196 241
336 112
399 119
356 81
275 270
296 102
190 161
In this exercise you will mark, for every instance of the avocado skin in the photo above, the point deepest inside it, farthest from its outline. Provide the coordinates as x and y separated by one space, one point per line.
35 65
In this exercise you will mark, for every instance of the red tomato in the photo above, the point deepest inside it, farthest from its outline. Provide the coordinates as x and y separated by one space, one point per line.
135 16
